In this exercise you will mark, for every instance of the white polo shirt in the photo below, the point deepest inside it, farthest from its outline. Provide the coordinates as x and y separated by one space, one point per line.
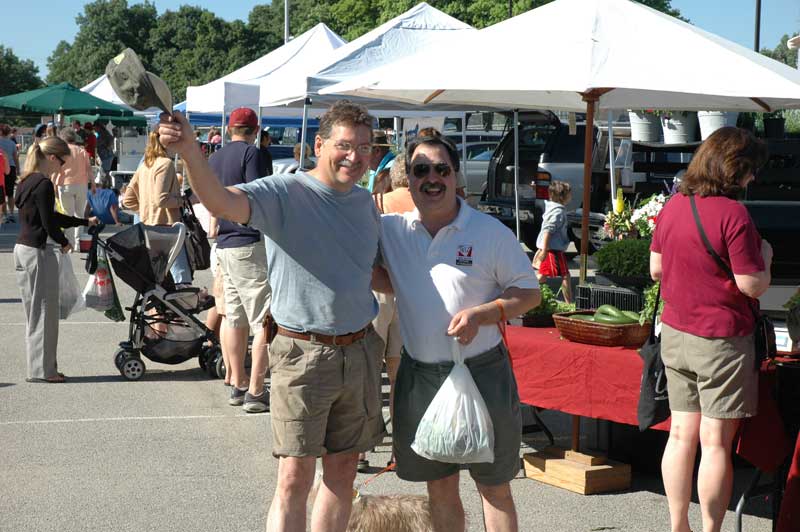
469 262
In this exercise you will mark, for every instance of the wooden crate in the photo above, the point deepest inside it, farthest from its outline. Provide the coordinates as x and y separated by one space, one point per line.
579 472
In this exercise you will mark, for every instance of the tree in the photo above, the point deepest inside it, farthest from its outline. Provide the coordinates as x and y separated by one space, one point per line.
105 28
782 52
192 46
18 75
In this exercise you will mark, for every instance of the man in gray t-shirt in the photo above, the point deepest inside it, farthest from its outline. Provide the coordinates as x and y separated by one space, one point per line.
325 360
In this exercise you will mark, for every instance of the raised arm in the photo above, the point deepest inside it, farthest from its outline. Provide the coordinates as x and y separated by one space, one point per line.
227 203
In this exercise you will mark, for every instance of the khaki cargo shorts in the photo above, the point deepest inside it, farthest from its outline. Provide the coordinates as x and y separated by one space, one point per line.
387 325
324 398
714 376
246 285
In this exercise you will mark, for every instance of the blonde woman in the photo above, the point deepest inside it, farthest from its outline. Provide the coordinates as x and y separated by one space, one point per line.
35 261
154 191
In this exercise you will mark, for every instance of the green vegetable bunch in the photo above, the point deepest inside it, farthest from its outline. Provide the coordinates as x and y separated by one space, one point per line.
627 257
549 305
650 295
793 301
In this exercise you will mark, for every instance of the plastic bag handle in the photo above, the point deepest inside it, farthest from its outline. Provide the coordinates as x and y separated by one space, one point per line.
458 357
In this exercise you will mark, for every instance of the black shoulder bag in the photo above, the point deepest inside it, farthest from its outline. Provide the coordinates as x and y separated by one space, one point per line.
653 405
764 332
198 248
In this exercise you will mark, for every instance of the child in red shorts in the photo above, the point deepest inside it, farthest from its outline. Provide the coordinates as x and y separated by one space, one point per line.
550 259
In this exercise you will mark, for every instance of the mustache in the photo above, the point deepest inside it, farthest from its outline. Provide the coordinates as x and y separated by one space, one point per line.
427 186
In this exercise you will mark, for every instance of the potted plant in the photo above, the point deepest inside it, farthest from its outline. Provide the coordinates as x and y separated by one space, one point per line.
710 121
774 125
679 127
625 262
645 125
542 316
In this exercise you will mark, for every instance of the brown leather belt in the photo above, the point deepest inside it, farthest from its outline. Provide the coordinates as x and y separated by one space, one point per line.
340 340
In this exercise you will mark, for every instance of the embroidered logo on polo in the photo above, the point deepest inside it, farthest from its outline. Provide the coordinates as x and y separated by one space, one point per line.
464 255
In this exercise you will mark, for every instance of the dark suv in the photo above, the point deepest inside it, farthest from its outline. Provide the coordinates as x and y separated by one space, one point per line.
547 151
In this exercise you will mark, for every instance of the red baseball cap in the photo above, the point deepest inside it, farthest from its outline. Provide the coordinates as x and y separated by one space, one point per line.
243 117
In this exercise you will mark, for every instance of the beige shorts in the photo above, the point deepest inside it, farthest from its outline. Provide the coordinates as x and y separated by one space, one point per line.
246 285
387 325
325 399
714 376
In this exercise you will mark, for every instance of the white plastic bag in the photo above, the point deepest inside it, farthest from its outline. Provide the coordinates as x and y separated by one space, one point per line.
99 293
70 299
456 427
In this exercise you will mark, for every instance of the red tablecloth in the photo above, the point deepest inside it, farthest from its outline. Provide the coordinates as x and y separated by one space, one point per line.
603 383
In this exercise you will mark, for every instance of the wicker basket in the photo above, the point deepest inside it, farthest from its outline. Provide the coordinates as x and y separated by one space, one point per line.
589 332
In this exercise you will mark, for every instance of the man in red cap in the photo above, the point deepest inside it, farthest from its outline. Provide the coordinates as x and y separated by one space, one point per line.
242 258
89 140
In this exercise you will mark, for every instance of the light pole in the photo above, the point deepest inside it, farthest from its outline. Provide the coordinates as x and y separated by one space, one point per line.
285 21
757 43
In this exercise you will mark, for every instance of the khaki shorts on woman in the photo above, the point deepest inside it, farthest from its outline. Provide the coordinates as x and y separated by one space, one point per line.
714 376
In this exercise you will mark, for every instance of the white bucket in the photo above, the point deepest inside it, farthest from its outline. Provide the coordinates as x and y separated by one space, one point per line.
644 127
680 127
710 121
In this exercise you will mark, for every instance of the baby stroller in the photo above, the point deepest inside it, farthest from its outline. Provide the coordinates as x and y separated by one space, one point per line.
163 324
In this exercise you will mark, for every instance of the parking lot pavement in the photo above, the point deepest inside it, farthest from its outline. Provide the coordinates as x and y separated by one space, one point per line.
167 453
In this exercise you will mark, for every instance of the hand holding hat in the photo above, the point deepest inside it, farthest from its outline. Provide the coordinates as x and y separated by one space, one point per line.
135 86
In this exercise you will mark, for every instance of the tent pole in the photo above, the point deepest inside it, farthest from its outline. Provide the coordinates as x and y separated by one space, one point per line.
396 126
260 127
516 171
222 128
612 177
588 143
464 147
306 103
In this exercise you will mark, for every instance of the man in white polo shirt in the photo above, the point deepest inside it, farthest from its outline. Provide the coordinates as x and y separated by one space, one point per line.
456 273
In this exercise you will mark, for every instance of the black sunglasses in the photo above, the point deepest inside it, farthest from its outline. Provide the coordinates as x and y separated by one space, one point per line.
421 170
62 161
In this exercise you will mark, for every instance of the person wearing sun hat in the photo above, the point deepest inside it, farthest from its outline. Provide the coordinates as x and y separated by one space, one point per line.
242 258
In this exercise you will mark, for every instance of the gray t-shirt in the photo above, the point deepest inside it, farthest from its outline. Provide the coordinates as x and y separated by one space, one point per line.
321 246
8 146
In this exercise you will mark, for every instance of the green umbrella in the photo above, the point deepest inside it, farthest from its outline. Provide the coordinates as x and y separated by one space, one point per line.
133 121
61 98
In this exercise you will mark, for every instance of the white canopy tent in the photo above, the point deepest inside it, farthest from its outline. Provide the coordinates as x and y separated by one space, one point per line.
240 88
606 54
416 29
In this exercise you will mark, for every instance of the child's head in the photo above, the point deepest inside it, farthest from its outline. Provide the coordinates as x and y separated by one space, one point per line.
560 192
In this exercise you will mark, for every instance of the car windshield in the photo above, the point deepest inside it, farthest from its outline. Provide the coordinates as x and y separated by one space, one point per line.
533 138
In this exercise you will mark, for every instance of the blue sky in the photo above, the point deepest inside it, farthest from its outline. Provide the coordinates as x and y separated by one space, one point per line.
732 19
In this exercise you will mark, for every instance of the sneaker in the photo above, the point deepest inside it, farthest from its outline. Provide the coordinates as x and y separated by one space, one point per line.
237 396
256 403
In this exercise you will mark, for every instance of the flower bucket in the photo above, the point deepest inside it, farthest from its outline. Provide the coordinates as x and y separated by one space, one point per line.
680 127
774 128
710 121
644 127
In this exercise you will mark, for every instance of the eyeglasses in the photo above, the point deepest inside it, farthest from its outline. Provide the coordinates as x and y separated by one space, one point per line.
60 160
346 147
421 170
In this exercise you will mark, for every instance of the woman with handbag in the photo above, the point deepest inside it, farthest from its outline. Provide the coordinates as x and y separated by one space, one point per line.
707 342
35 259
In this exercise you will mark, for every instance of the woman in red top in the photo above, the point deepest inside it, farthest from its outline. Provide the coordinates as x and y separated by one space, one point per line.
707 324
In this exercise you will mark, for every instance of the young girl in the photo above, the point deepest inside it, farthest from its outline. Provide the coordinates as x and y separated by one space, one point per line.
550 260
